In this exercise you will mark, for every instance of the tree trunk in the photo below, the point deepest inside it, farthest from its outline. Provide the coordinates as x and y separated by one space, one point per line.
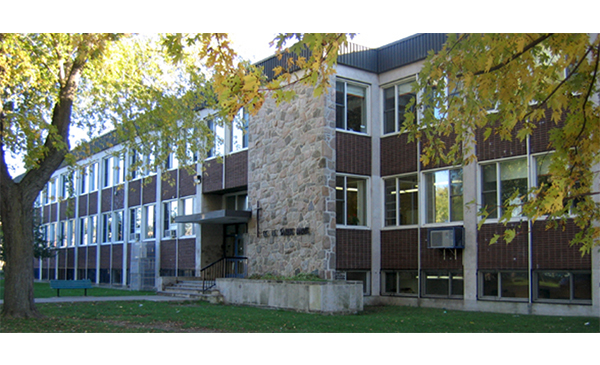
17 227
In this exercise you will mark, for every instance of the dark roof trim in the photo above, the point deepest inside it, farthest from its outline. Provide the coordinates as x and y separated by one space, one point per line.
217 217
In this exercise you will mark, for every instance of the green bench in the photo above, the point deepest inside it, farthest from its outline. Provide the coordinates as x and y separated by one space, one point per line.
71 284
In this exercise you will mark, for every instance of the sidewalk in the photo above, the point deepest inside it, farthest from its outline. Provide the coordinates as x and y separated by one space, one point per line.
152 298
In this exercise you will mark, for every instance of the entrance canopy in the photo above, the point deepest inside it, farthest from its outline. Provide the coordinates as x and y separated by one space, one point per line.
217 217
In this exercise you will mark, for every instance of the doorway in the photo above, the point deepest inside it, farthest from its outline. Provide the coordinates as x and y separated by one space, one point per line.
233 249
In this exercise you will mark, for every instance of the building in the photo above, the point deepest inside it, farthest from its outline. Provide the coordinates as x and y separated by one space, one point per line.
328 186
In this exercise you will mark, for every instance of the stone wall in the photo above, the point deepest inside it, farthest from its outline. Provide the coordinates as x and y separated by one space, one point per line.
291 175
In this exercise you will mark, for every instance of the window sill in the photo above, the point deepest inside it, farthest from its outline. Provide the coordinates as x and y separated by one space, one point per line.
365 134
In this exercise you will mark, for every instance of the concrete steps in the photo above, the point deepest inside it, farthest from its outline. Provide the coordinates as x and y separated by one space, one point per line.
191 289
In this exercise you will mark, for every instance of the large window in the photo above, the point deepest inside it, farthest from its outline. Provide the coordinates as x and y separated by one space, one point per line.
351 201
118 222
503 285
169 214
401 201
239 132
93 220
218 146
187 208
444 196
237 201
351 107
395 100
106 227
500 181
563 286
83 231
93 176
149 221
135 223
405 282
107 173
443 283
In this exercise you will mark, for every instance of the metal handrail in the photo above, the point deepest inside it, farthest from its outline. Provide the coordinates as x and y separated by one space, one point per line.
223 268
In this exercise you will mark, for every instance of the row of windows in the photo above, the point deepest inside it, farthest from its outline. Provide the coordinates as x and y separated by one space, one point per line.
442 193
109 227
559 286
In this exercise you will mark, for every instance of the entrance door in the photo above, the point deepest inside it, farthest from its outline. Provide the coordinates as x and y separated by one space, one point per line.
234 249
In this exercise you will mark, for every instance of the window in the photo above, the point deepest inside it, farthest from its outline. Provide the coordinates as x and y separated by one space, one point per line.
106 228
51 195
360 275
236 201
444 196
351 107
218 148
239 132
351 201
500 180
134 164
62 233
119 169
404 282
149 164
401 201
64 186
169 214
93 221
118 219
149 219
443 283
187 208
51 235
564 286
83 181
71 232
93 176
171 163
395 100
135 223
107 173
83 231
507 285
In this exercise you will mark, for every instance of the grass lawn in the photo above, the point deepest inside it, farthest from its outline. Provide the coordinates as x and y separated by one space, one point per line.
198 317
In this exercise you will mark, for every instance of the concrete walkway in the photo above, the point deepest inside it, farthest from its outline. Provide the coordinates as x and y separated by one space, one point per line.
152 298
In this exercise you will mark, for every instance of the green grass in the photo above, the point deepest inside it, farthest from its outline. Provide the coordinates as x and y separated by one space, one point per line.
43 290
192 316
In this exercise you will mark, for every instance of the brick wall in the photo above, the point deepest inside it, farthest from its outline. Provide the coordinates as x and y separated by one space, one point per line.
353 249
500 255
107 197
187 184
212 179
397 155
169 185
117 256
149 190
436 258
134 193
186 254
236 170
167 254
93 203
400 249
105 256
551 249
353 153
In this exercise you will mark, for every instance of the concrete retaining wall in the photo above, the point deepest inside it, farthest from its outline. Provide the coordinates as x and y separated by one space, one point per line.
308 296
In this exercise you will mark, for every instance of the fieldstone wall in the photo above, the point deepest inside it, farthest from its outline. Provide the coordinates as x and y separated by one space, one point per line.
291 177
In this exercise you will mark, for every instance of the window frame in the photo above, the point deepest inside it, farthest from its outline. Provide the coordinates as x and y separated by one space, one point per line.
425 193
182 208
169 221
397 291
135 223
571 300
107 229
367 106
517 212
149 234
366 203
481 282
395 86
398 207
451 274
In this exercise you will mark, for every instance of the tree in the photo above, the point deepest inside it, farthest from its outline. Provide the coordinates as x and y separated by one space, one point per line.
507 84
147 89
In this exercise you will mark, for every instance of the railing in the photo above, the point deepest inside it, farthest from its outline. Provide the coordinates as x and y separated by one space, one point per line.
227 267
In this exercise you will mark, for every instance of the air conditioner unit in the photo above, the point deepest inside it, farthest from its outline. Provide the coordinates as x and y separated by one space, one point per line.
447 237
172 233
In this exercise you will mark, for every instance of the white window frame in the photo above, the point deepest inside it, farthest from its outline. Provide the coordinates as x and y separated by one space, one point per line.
84 232
120 215
182 208
237 195
169 224
367 105
93 177
93 226
517 212
135 225
405 81
366 203
238 131
107 172
149 220
107 229
397 179
423 193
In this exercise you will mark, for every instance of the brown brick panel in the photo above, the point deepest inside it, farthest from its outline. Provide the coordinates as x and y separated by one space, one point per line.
186 254
93 203
494 147
169 185
540 138
49 263
502 256
83 206
187 184
70 258
149 190
437 258
397 155
105 255
134 193
552 251
353 249
400 249
167 254
353 153
91 257
54 212
62 258
106 203
117 256
236 170
82 257
119 197
212 177
449 142
46 215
